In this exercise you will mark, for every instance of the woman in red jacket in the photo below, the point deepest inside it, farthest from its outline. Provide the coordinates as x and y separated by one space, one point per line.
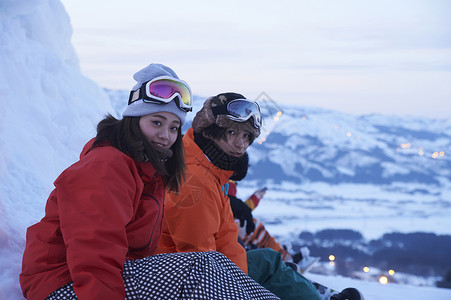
103 220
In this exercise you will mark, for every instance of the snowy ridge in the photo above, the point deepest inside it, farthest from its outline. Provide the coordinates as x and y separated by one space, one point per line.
316 145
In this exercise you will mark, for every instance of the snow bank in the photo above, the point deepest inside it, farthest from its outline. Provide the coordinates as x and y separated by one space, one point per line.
48 111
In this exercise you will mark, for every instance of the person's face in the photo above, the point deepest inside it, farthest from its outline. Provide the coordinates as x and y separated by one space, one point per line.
160 129
235 143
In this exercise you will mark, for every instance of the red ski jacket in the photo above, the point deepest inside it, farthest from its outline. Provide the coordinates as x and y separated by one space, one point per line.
105 208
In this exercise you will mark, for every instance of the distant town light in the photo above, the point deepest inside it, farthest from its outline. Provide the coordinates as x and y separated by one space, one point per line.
442 153
331 257
331 263
405 145
383 280
366 269
434 155
391 272
349 133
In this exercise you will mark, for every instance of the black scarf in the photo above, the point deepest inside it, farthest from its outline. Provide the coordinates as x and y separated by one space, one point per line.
221 159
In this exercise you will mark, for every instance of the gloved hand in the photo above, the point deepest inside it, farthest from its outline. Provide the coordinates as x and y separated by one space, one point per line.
243 213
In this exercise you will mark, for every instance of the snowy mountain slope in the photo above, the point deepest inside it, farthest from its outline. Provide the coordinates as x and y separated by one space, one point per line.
316 145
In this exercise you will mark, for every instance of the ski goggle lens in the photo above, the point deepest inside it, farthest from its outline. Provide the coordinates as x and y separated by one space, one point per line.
166 89
242 109
163 90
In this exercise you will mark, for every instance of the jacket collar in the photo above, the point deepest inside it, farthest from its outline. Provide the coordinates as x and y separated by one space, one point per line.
194 155
146 170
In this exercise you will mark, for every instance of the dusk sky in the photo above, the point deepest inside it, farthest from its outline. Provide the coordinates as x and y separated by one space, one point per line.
359 57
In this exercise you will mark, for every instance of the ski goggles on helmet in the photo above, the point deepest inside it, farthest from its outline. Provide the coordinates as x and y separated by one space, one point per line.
162 90
240 110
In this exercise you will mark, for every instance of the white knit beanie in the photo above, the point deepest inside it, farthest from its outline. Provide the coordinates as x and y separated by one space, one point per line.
139 107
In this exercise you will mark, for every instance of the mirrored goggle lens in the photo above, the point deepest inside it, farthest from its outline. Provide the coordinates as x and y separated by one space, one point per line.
165 89
244 109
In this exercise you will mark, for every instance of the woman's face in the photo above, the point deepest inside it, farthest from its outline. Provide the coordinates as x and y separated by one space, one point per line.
235 143
160 129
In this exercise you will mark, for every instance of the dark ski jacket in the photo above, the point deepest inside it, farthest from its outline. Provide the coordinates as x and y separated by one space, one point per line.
105 208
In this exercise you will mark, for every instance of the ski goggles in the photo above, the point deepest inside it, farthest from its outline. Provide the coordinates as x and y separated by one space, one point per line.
240 110
162 90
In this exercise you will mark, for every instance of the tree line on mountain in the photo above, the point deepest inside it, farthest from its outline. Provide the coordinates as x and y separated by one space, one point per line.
417 253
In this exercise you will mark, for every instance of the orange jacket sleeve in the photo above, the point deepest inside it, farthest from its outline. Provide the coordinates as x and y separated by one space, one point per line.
199 218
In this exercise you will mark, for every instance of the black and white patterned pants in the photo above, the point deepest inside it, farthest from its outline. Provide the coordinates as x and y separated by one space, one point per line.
192 275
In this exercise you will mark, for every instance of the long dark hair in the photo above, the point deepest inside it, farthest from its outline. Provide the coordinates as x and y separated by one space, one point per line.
126 135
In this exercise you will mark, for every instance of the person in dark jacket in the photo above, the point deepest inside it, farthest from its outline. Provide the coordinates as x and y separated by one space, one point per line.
103 220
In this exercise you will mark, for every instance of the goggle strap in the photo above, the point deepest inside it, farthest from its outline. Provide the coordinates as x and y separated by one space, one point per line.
134 95
219 110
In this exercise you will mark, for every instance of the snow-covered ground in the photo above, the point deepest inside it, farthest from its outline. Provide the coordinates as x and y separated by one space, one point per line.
49 110
371 209
376 291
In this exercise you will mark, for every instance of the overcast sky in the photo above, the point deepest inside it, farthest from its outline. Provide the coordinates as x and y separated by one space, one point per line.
356 56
